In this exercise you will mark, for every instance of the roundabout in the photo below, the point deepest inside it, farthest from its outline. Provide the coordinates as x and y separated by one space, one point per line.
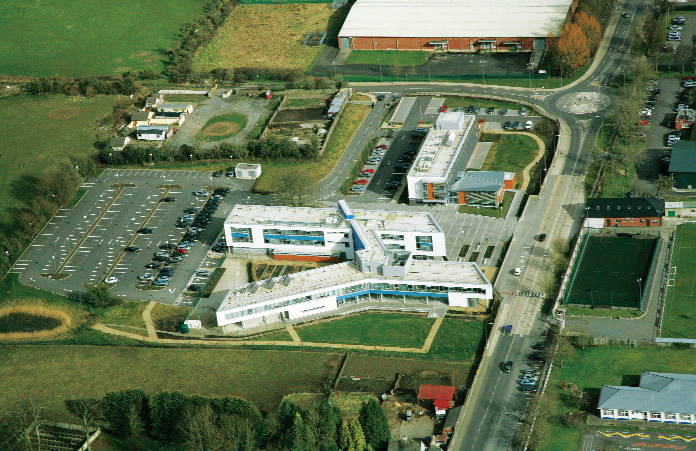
583 102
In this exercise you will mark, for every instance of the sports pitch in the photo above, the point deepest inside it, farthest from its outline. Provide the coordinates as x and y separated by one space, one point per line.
679 319
611 271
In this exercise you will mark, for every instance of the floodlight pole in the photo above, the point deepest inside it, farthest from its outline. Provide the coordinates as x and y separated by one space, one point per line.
640 290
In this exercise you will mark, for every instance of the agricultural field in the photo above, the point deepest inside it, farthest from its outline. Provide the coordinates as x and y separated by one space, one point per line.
67 129
56 373
89 37
265 36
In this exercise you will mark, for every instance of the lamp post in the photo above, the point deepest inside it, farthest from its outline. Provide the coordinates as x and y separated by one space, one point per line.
487 332
380 70
429 80
483 71
152 162
111 161
640 289
191 159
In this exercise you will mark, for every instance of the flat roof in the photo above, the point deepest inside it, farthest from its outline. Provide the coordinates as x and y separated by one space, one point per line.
405 221
456 18
421 271
438 150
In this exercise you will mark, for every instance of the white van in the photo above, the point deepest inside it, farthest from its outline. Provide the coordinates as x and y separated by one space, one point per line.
528 125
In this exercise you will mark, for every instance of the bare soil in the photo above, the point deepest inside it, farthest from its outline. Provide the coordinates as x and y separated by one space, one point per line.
220 129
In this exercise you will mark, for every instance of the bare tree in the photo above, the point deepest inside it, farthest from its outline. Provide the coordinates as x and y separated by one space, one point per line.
199 430
296 191
89 411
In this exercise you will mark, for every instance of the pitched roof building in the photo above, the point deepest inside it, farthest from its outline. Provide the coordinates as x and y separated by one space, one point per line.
624 212
659 397
682 165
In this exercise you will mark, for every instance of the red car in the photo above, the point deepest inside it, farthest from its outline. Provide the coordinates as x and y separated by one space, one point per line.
180 251
371 171
361 182
443 108
690 77
643 122
381 146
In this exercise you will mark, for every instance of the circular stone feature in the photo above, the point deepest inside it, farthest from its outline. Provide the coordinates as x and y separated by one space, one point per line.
583 102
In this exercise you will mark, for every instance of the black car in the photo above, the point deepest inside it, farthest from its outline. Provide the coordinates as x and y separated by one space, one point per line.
470 109
539 346
490 110
218 173
191 211
145 231
507 366
515 124
194 288
167 271
542 237
132 249
168 199
506 125
529 388
380 98
503 112
153 266
167 246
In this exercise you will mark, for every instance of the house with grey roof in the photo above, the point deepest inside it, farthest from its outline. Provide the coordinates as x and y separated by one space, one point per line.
682 165
659 397
482 188
118 142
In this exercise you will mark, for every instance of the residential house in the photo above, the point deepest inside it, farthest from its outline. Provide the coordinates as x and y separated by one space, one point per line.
659 397
177 108
684 119
482 188
405 445
247 171
624 212
139 118
682 165
440 395
118 142
152 132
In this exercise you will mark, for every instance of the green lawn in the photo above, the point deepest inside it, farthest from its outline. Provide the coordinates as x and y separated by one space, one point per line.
680 317
307 102
617 181
279 335
510 152
371 329
89 37
597 366
56 373
457 339
66 128
483 103
387 57
222 127
313 171
487 211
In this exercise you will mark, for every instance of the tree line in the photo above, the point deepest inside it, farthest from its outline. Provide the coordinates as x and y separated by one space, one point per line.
267 149
206 424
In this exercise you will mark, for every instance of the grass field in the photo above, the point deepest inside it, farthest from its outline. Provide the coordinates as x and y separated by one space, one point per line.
492 212
680 316
465 102
617 182
594 367
510 152
222 127
371 329
306 102
608 270
458 339
56 373
64 127
313 171
387 57
89 37
265 36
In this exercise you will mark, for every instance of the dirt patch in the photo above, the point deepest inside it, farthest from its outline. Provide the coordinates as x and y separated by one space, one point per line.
140 54
365 385
300 115
121 69
386 368
64 112
220 129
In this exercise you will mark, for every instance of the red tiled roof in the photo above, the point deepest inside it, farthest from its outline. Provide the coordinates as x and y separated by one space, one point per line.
442 404
436 392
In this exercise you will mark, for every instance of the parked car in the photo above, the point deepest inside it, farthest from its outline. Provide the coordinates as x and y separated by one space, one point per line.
506 125
517 271
194 288
542 237
529 125
675 27
536 356
145 231
160 283
625 15
503 112
153 266
643 122
191 211
381 146
515 124
132 249
523 112
358 189
443 108
201 193
529 382
218 173
111 280
168 199
146 277
507 366
490 110
202 273
361 181
371 171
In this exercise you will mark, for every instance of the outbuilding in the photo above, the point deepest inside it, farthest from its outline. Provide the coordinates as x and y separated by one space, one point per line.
247 171
482 188
682 165
624 212
152 132
440 395
118 143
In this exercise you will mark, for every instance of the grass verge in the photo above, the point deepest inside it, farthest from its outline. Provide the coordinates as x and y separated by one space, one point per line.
478 102
314 171
491 212
371 329
510 152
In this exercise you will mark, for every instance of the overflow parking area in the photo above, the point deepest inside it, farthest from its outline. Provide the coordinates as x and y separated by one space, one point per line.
124 219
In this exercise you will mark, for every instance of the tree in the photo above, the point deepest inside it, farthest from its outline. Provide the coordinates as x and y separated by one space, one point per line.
239 432
123 412
166 409
199 430
590 28
374 424
135 426
89 411
572 47
323 422
665 183
344 438
295 191
100 296
358 436
298 434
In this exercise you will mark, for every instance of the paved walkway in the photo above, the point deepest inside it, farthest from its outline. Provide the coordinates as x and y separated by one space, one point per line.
147 318
152 338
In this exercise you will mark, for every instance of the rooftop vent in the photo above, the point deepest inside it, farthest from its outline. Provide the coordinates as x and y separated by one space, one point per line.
254 287
270 283
287 279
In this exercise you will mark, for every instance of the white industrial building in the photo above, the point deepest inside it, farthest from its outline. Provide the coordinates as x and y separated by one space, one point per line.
659 397
442 155
383 269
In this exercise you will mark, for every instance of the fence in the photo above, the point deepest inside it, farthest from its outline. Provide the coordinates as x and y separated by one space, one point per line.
663 286
443 77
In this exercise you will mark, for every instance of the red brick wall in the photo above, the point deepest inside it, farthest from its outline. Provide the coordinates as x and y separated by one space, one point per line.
527 43
632 222
409 43
385 43
362 43
307 258
510 184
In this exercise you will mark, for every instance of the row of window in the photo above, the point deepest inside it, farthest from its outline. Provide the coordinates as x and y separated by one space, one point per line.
642 221
388 236
354 289
293 232
293 242
655 415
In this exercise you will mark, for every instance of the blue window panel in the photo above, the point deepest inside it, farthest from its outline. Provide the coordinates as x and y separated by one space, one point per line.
394 293
240 235
357 242
294 237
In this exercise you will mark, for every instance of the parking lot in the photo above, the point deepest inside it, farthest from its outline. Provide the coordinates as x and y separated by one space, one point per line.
86 243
